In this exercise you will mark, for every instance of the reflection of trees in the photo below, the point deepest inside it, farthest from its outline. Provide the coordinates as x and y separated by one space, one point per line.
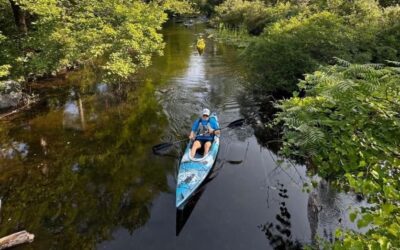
176 54
260 111
97 179
323 212
224 76
81 111
279 233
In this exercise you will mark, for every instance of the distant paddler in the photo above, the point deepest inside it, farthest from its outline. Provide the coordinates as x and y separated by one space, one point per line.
201 45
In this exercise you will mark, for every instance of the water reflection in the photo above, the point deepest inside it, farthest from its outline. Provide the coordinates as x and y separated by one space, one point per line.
74 116
260 111
183 215
86 176
279 232
14 149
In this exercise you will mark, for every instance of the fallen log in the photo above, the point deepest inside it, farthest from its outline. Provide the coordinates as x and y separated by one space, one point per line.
16 239
14 111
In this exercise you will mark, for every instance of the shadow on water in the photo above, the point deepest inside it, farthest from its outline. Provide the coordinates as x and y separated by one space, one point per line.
183 215
279 233
260 111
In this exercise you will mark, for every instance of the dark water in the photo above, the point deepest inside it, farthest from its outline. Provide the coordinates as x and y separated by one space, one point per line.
78 172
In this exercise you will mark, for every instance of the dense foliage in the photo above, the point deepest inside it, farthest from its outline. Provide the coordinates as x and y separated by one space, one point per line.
348 127
254 15
46 36
295 37
4 69
345 121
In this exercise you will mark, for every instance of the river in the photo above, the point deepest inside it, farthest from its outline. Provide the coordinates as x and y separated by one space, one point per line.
77 169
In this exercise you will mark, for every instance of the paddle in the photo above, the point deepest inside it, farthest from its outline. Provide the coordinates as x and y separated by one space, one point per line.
159 147
235 124
163 146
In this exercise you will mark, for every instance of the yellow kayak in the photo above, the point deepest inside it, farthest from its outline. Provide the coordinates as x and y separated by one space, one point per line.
201 44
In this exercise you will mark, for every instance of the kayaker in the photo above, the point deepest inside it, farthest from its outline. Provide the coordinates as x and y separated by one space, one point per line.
203 131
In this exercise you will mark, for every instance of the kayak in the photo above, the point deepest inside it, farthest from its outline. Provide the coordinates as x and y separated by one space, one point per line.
201 45
193 171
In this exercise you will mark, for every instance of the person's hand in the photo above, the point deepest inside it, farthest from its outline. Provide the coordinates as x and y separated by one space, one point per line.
191 136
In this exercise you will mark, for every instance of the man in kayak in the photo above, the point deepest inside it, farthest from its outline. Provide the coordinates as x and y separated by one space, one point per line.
203 131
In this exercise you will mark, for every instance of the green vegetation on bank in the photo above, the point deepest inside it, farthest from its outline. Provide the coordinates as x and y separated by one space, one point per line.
344 121
348 127
4 69
290 38
43 37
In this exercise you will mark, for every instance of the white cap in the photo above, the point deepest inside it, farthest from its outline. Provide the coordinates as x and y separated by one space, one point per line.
206 112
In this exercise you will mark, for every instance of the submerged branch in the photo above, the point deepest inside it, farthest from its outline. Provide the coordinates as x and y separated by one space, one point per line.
16 239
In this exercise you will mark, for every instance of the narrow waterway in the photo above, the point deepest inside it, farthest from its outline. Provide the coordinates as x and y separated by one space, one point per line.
78 171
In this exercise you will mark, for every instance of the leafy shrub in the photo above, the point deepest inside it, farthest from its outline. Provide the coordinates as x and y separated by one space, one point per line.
254 15
348 127
289 48
298 38
4 69
388 35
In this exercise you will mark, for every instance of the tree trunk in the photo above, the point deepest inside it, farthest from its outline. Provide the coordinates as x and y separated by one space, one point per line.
16 239
81 111
20 17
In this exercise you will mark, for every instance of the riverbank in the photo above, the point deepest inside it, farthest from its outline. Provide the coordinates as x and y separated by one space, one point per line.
282 42
17 96
45 39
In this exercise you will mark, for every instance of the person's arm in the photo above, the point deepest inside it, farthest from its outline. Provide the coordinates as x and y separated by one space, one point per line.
192 135
214 127
195 126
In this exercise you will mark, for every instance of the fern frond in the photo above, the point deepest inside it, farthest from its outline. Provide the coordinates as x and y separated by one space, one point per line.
292 122
345 85
376 65
393 63
341 62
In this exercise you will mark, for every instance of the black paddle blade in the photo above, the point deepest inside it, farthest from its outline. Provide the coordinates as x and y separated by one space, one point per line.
236 123
160 148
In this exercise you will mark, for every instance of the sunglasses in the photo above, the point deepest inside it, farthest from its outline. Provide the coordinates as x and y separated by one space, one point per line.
205 115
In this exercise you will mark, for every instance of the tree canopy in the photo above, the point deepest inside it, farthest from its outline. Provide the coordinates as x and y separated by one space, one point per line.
291 38
46 36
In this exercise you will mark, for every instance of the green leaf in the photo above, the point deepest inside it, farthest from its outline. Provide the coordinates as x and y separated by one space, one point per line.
365 220
353 216
375 174
388 208
394 229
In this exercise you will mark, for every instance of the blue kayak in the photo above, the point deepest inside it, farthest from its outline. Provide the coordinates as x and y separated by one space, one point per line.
193 171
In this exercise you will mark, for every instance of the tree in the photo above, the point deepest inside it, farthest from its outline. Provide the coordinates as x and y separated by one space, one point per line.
347 126
296 37
51 35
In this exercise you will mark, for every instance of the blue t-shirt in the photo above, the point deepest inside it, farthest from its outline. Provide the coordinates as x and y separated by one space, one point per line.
211 121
